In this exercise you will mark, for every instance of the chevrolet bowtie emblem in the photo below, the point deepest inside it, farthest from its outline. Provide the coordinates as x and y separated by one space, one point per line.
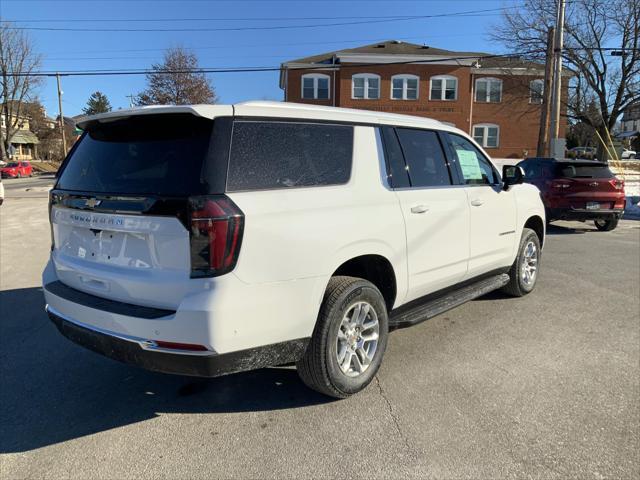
92 202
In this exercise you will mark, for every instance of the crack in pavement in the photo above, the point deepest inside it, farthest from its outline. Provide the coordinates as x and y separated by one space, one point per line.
394 417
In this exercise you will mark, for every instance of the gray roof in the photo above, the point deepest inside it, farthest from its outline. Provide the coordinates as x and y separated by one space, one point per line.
25 137
396 47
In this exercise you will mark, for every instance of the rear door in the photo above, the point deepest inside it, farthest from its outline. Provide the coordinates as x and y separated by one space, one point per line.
436 212
120 206
492 217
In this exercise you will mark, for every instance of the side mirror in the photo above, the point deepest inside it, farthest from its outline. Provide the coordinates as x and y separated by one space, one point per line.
512 175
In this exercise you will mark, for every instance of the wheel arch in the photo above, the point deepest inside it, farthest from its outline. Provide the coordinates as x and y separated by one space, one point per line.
535 223
376 269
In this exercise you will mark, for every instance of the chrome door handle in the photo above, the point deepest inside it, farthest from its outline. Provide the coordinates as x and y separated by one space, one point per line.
476 202
419 209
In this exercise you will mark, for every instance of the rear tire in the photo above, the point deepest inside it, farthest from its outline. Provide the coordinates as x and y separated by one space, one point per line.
606 225
524 272
339 361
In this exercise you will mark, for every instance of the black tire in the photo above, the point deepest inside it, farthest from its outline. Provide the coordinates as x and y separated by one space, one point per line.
319 368
18 175
517 285
606 225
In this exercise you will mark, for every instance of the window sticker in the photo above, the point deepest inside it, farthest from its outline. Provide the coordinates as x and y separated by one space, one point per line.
469 164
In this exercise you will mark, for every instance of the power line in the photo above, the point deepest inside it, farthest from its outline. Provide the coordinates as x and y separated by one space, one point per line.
270 27
226 47
288 44
251 69
215 19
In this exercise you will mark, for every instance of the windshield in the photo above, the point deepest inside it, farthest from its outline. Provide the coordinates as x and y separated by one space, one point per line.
12 164
577 170
145 154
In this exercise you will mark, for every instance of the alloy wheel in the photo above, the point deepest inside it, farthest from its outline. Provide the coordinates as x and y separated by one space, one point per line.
357 339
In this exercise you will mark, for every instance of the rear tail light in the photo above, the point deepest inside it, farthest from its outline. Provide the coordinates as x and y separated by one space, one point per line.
216 226
617 183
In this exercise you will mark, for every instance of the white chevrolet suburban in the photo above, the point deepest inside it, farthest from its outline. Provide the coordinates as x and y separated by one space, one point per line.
210 239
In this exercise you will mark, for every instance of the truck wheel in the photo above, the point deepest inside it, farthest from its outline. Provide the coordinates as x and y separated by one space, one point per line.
349 339
523 274
606 225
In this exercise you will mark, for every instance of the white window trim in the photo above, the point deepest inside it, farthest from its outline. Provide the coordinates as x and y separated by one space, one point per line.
404 77
443 78
531 91
490 81
485 133
366 77
315 77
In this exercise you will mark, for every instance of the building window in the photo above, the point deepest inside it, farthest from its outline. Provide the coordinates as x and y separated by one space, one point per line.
404 87
315 86
488 90
487 135
365 86
536 91
444 87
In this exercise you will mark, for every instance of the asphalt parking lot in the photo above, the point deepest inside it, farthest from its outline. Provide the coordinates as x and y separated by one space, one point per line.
547 386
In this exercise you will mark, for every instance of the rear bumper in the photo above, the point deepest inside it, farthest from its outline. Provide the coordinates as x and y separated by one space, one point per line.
141 353
582 214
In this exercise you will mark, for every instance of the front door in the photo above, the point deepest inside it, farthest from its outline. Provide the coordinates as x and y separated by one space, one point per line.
492 210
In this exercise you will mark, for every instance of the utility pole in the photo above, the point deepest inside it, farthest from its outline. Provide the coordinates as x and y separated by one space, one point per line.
557 144
64 139
543 136
130 97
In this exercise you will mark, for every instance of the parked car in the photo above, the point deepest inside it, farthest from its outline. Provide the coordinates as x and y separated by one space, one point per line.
577 190
16 170
627 154
204 240
1 192
588 153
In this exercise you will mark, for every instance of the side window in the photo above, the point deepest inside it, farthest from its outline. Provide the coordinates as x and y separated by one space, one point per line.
531 169
475 168
425 159
272 155
396 168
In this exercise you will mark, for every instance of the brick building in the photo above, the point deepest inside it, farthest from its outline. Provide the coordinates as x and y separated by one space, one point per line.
496 100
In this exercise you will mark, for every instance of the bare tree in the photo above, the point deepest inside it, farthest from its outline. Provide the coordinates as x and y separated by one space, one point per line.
592 28
18 61
177 81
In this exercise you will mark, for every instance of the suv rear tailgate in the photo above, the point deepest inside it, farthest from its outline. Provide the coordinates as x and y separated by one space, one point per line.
118 210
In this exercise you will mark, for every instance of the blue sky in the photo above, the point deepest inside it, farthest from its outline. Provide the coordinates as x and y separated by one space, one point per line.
94 49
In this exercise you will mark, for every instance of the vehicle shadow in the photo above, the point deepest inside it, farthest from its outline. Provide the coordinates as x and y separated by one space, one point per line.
53 391
578 228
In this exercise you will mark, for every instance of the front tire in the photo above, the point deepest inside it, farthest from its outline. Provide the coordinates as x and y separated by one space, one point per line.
349 339
523 274
606 225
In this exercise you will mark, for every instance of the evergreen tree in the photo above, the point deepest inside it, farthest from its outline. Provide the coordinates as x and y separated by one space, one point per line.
97 103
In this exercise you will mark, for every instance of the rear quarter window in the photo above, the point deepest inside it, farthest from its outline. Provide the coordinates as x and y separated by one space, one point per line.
275 155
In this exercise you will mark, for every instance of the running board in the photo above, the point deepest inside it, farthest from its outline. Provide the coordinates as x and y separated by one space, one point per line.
424 309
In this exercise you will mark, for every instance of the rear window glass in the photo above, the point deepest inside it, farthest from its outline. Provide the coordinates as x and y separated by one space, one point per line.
272 155
146 154
566 170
